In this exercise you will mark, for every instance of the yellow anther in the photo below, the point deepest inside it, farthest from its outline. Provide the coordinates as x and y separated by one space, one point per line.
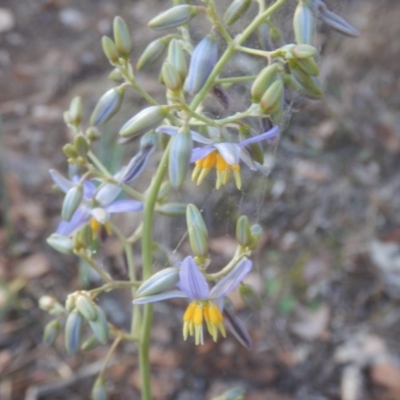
214 313
198 315
209 160
188 316
95 225
222 165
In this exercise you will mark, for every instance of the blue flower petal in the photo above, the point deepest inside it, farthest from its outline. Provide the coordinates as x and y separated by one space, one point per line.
200 152
107 194
63 183
192 281
169 130
89 189
233 279
79 218
237 328
121 206
269 135
230 152
159 297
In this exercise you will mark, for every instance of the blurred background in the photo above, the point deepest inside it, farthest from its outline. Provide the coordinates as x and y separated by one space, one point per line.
328 266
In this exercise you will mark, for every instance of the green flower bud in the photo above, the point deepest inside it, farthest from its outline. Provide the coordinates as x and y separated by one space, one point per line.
152 52
69 151
115 75
256 232
99 326
263 32
172 209
303 51
67 117
271 99
51 305
144 121
264 79
303 23
235 10
165 189
307 65
75 111
175 16
50 332
170 77
90 343
71 202
70 302
122 37
161 281
99 391
107 106
86 307
309 85
179 158
61 243
176 57
198 241
250 297
110 50
194 218
243 233
81 145
73 331
92 133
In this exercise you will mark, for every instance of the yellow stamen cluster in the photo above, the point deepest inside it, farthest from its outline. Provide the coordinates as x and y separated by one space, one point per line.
196 312
96 225
204 166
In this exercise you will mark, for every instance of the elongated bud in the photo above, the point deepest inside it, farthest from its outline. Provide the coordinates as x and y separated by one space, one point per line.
263 32
107 106
264 79
235 10
336 22
99 391
172 209
309 85
198 241
144 121
50 332
202 62
303 23
99 326
152 52
176 57
179 158
122 37
86 307
271 99
161 281
61 243
69 151
250 297
243 233
175 16
51 305
90 343
307 65
73 331
110 50
75 111
236 393
194 218
170 77
303 51
81 145
71 202
256 232
70 302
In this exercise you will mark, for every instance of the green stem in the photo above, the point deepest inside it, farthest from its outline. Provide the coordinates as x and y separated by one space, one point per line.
92 263
147 261
109 355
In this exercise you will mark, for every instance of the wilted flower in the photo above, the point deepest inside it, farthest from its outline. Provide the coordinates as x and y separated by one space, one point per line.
205 304
225 156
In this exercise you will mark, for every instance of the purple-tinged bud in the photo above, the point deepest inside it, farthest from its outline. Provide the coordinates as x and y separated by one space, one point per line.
336 22
152 52
73 331
61 243
107 106
264 39
50 332
144 121
161 281
194 217
271 100
237 328
175 16
176 57
99 326
122 37
235 10
99 391
71 202
264 79
203 61
109 49
243 233
303 23
179 158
